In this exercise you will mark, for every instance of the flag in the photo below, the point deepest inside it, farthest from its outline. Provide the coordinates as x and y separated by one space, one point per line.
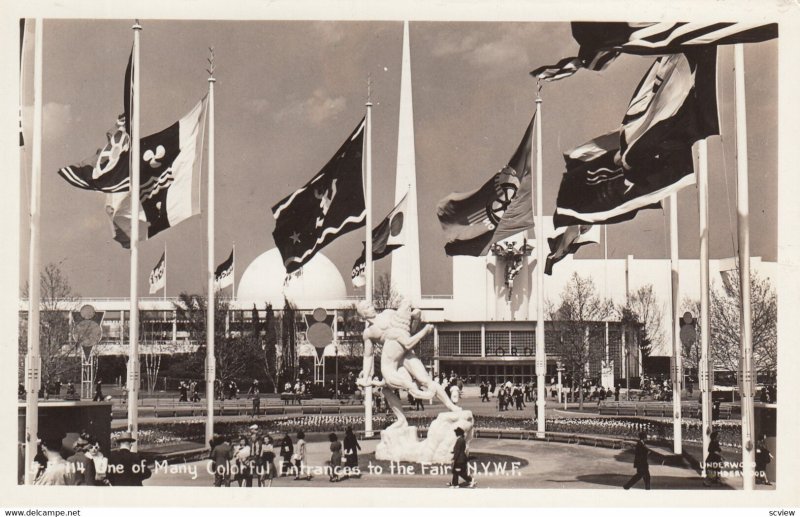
223 276
386 237
328 206
567 240
158 276
611 177
601 42
108 170
475 220
169 182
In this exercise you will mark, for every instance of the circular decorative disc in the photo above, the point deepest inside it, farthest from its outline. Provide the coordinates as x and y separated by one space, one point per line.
87 312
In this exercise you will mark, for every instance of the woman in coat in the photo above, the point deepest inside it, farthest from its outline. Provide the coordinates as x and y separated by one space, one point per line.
287 451
713 460
351 448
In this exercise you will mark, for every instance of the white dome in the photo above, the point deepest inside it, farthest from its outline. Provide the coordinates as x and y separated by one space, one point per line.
263 281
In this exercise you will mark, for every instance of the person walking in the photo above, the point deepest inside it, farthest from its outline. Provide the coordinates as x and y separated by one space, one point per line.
640 463
460 461
763 458
300 457
287 451
256 392
125 467
484 392
242 456
221 457
98 391
418 404
351 448
336 458
714 461
267 463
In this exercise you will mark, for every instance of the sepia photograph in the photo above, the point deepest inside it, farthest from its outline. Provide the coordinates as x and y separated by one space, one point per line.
399 252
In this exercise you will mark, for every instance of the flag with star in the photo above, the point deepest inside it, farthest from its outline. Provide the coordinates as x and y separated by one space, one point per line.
330 205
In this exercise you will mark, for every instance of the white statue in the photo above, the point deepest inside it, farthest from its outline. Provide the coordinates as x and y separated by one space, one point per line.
402 369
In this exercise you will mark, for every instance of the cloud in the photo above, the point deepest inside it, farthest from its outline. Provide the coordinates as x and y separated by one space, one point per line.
258 105
506 50
316 109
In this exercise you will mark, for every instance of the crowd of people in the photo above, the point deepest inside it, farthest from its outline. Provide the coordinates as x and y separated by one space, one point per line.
258 458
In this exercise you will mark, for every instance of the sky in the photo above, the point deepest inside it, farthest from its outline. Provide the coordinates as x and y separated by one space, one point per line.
289 92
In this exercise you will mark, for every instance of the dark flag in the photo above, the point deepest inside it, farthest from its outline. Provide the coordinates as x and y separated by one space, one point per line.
613 176
601 42
567 240
386 237
170 179
223 276
158 276
108 170
475 220
328 206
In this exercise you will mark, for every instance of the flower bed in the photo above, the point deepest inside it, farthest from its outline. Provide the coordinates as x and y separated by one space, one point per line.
658 429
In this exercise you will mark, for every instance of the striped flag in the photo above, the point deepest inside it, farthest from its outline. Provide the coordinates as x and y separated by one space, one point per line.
609 179
601 42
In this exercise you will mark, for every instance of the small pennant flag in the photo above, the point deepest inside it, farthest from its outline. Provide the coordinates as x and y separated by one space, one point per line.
223 276
158 276
567 240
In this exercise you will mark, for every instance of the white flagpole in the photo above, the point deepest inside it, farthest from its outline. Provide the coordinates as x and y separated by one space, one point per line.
746 373
368 246
541 239
674 261
165 271
211 305
133 359
233 274
705 366
33 360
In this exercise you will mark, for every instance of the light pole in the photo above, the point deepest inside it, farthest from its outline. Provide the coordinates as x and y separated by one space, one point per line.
336 370
560 370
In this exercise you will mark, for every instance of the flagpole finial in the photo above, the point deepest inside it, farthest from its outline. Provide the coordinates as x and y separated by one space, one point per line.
211 67
369 89
136 25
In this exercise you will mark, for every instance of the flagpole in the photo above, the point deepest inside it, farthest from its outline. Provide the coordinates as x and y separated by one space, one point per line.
33 360
133 358
368 246
705 366
233 274
541 360
746 372
211 305
676 347
165 271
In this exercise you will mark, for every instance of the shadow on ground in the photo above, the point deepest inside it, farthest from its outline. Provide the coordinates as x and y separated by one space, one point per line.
656 483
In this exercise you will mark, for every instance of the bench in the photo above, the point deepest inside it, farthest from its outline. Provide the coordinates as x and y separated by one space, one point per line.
310 410
329 410
279 410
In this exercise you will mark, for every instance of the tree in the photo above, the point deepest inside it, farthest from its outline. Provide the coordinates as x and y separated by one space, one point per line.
289 342
269 345
234 354
60 356
725 327
574 318
643 307
384 296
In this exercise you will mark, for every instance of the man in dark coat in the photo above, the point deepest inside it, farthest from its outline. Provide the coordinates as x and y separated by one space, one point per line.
640 464
125 467
221 456
460 461
83 465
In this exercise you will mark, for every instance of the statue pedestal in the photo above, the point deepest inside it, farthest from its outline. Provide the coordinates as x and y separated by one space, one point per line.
401 443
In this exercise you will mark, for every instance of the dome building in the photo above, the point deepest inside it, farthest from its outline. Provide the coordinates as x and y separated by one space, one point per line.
319 282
